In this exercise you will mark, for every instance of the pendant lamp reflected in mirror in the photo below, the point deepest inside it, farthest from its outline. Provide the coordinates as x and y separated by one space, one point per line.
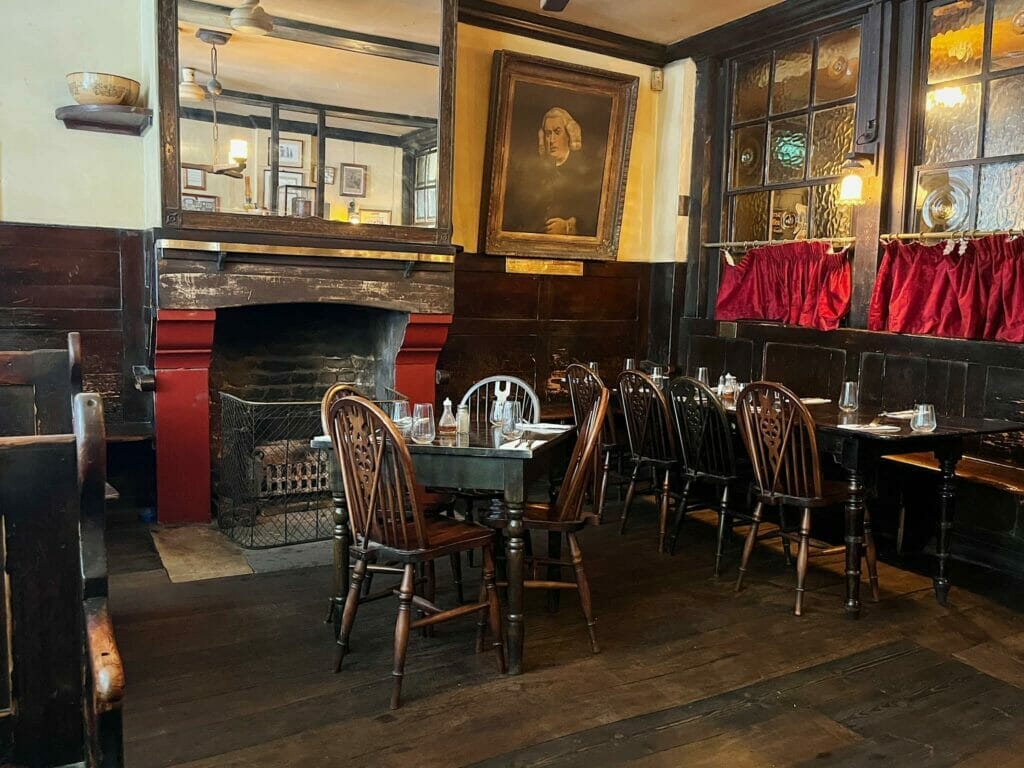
250 19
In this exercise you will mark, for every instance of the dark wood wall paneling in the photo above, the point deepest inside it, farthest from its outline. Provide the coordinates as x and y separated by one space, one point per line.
54 280
532 326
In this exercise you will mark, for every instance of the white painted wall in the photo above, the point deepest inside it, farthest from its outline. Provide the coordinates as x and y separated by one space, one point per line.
49 174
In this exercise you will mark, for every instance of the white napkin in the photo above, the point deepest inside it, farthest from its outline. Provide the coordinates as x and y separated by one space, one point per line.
543 427
521 445
814 400
908 414
871 427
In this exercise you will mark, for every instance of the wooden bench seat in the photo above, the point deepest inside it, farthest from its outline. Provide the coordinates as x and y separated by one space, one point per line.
1005 477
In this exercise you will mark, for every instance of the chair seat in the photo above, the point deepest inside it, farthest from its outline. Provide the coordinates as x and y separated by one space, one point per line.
537 516
445 535
833 492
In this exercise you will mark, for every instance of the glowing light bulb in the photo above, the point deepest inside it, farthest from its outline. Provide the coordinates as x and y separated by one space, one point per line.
851 188
238 150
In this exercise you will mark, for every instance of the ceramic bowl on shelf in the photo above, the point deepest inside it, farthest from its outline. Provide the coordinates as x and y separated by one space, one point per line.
101 88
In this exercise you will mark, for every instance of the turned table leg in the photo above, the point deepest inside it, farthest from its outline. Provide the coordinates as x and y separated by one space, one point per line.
947 506
854 540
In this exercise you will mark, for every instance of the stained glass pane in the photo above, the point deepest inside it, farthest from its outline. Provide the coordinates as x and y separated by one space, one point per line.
789 214
747 157
791 81
831 219
789 149
957 34
831 139
750 216
943 199
1004 124
838 66
1008 34
751 89
1001 199
951 123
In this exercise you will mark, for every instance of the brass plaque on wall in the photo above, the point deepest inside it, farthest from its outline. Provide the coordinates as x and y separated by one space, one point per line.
544 267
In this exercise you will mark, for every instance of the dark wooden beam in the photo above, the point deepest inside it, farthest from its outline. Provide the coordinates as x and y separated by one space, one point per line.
784 20
291 126
210 14
354 113
481 13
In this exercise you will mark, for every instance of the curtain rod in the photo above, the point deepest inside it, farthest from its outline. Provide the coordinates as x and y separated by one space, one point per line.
758 243
956 234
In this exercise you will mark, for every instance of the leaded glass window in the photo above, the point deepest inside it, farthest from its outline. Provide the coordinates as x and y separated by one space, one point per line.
970 152
792 119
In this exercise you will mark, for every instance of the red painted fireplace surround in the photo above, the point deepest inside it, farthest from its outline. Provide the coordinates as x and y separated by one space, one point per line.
194 281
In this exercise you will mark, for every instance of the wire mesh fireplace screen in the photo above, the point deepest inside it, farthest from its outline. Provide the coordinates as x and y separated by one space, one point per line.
274 489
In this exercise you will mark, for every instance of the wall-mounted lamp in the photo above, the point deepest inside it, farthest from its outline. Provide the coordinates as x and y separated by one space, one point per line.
851 186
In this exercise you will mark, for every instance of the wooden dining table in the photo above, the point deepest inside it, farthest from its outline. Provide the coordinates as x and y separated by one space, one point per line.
858 452
483 460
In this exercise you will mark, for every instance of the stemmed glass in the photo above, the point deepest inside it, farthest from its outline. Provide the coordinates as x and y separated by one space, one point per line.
400 415
702 375
849 400
423 423
923 419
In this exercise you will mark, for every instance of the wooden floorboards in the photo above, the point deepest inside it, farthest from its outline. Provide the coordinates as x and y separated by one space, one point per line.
236 671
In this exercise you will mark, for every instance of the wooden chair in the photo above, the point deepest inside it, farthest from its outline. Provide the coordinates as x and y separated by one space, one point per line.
481 396
566 516
584 388
778 432
388 524
706 444
36 389
651 443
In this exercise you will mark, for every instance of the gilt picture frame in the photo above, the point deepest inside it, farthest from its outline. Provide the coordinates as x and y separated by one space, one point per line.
559 139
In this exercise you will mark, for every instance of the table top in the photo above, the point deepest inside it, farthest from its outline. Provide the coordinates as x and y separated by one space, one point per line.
829 418
483 441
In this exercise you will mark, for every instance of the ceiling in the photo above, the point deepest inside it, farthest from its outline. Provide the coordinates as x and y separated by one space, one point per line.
659 21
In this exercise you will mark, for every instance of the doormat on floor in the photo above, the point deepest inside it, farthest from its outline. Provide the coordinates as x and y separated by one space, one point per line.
194 552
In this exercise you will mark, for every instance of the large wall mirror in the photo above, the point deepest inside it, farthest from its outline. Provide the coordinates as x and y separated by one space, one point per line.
329 118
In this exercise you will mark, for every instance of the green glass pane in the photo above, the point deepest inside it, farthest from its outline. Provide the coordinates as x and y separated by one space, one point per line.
791 79
838 66
788 149
956 36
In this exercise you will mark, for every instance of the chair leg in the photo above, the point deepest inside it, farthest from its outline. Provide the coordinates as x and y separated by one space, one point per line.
871 555
786 549
604 486
630 493
677 526
583 587
666 488
554 570
748 545
429 592
402 634
494 609
348 616
801 561
470 518
456 561
482 616
723 516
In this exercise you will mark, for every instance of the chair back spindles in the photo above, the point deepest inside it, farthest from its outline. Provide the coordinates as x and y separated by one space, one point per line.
481 396
648 424
702 429
578 475
377 472
778 432
584 389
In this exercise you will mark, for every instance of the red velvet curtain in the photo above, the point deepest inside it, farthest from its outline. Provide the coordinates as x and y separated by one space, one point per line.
972 293
800 283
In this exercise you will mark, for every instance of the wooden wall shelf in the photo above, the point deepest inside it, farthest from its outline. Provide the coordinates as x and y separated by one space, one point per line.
107 118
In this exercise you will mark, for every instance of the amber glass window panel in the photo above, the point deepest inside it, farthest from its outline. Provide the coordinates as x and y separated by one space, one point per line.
956 40
750 216
747 156
1001 196
788 154
831 139
838 66
750 100
1008 35
791 79
1004 121
943 199
828 217
951 123
789 215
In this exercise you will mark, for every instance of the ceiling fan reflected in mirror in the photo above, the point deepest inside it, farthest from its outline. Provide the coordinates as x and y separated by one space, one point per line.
553 6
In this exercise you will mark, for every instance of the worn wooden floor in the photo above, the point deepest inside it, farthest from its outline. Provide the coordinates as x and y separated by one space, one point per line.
236 672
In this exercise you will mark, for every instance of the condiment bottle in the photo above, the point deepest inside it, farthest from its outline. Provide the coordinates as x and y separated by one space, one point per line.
463 419
447 426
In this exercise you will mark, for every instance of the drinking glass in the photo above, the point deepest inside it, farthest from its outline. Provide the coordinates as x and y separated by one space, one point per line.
629 364
423 423
592 365
512 420
849 400
400 415
923 419
702 375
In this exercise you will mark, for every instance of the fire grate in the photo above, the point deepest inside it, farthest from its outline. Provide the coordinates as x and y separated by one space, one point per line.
274 490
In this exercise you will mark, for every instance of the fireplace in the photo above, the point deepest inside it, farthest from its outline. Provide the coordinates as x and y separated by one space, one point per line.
280 325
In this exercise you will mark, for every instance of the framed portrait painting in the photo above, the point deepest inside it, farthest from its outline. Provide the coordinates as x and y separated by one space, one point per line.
353 180
559 139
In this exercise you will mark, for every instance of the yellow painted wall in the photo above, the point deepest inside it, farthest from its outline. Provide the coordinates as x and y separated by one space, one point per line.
472 94
49 174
